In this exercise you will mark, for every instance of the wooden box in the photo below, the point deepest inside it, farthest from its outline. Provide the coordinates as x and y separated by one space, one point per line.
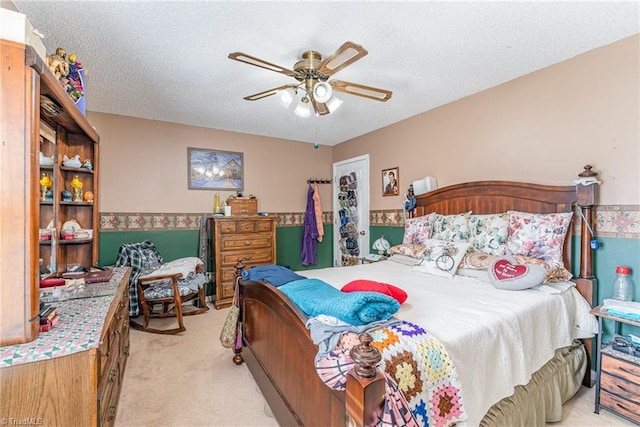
243 205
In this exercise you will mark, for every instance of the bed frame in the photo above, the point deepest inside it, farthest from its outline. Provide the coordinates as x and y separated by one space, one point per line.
279 352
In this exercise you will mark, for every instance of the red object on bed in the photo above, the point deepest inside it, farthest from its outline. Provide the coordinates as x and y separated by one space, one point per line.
364 285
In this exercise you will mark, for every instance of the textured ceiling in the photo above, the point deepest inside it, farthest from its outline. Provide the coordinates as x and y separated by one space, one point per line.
167 60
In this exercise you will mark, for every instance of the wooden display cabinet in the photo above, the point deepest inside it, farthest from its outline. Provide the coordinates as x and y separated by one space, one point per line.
27 85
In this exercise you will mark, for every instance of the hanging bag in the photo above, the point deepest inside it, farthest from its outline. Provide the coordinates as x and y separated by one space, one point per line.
230 330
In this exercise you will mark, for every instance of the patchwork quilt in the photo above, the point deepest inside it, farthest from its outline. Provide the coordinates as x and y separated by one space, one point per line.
422 386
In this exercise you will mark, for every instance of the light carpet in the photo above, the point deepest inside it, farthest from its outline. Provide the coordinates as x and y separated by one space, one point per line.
190 380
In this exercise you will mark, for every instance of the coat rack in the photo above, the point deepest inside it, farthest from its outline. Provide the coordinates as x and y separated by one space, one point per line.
318 181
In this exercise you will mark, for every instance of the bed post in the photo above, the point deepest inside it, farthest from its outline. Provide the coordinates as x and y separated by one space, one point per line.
365 391
237 356
585 282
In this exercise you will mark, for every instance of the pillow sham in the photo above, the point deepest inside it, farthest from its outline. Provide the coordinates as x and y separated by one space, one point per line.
408 249
538 235
506 274
480 261
403 259
364 285
452 228
441 258
418 230
488 233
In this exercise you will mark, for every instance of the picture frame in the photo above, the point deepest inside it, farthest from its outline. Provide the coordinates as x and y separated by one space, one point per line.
215 169
391 181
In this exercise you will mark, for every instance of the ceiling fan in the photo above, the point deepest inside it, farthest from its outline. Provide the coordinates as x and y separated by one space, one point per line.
313 73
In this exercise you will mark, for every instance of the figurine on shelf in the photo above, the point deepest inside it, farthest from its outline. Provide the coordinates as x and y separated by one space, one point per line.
45 161
73 162
87 165
58 64
88 196
77 189
45 185
66 196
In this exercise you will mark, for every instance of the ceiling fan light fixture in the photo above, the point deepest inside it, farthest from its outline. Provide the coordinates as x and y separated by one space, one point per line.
287 96
303 109
322 92
333 104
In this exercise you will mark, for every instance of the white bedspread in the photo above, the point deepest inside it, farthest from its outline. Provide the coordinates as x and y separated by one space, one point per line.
496 338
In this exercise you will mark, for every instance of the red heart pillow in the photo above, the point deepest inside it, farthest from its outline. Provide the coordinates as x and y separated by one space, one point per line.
363 285
504 273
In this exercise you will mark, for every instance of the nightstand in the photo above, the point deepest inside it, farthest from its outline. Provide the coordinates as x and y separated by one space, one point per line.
617 374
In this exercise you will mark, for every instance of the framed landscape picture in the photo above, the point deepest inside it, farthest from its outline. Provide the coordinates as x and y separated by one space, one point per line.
215 170
391 181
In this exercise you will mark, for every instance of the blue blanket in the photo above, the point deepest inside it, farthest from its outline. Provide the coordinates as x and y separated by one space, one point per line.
315 297
274 274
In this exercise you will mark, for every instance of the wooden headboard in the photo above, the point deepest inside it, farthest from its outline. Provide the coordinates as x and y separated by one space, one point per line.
489 197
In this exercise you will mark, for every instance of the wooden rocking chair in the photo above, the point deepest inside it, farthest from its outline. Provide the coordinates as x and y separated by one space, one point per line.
158 289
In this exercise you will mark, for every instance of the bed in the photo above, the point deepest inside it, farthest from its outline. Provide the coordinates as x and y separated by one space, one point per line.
279 352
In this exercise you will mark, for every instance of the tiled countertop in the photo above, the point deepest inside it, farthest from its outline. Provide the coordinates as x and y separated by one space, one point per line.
78 329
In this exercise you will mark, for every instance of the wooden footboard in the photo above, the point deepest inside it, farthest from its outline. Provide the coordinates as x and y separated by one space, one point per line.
279 353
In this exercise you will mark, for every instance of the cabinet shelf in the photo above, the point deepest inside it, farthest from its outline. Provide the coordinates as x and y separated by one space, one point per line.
76 204
76 170
74 241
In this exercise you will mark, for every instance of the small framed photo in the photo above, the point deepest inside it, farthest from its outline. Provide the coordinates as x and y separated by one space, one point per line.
215 170
391 181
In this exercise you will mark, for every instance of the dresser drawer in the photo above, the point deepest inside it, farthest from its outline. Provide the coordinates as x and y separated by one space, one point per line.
249 258
621 406
620 368
242 242
108 397
243 206
620 387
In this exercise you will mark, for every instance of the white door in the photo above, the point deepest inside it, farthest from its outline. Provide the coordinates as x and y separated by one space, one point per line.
350 210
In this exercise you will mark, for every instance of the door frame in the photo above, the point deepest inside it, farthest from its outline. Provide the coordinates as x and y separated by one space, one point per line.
364 186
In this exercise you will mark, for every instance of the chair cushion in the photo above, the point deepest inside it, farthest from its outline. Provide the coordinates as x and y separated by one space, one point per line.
164 289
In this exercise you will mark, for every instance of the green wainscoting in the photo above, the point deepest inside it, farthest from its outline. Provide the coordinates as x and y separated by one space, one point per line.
171 244
174 244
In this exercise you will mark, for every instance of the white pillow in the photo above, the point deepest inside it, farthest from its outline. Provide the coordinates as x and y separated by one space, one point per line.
504 273
441 258
181 265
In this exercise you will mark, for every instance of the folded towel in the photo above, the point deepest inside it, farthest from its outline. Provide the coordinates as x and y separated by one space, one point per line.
274 274
625 309
315 297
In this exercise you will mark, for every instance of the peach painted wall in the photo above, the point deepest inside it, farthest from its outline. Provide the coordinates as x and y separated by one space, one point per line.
143 167
543 127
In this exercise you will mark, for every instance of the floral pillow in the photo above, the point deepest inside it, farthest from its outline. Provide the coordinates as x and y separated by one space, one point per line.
488 233
418 230
452 228
538 235
473 262
408 249
442 258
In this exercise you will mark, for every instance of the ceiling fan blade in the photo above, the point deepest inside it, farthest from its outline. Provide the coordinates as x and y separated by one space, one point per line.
268 92
346 54
370 92
252 60
320 108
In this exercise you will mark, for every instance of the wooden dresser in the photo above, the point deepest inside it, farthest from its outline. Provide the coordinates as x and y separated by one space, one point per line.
71 375
618 374
252 238
243 205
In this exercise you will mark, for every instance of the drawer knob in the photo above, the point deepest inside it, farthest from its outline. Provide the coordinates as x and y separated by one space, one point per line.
247 243
112 413
112 375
